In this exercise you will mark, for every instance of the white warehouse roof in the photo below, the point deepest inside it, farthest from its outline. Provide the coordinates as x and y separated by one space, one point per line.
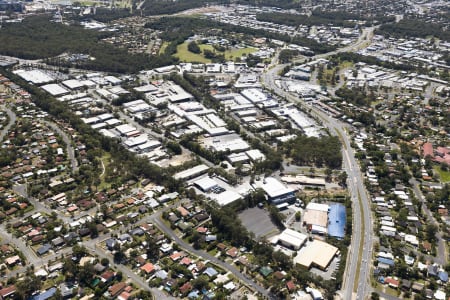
292 238
273 187
55 89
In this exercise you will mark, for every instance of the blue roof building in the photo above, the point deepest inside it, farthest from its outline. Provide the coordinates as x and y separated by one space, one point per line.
336 220
443 276
194 294
386 261
211 272
45 295
44 249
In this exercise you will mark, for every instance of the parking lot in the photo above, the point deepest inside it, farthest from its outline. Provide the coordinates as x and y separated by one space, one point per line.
257 220
328 273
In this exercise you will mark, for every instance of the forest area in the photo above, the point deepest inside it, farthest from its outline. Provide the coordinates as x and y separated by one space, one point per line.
318 18
38 38
414 28
175 28
319 152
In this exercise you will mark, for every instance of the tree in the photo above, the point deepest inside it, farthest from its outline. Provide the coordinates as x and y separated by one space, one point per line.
194 48
343 178
328 173
174 147
200 283
298 215
276 217
119 256
104 262
152 248
27 286
430 232
79 251
375 296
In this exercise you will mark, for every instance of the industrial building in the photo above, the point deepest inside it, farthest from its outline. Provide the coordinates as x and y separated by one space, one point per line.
206 184
336 220
55 89
316 254
276 192
192 172
316 217
292 239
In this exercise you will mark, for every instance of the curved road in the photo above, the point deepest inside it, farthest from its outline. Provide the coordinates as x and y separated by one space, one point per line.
156 220
12 119
68 141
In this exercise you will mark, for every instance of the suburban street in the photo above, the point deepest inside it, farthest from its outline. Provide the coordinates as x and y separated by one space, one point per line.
441 255
68 141
12 119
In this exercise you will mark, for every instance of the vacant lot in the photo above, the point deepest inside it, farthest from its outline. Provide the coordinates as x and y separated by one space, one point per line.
186 56
443 175
257 220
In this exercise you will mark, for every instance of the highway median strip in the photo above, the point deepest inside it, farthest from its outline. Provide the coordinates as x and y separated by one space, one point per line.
361 246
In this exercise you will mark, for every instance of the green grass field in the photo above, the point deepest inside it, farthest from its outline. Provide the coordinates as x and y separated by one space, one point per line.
163 47
106 159
443 175
186 56
234 53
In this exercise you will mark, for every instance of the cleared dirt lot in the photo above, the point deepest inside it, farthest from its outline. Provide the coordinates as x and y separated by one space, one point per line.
257 220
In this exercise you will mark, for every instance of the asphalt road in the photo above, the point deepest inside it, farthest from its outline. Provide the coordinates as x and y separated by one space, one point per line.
156 220
68 141
12 119
357 189
441 255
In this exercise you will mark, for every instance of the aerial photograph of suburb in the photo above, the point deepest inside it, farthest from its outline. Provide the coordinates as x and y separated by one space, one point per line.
224 149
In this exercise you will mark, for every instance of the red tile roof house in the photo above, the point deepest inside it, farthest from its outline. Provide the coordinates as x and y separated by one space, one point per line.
177 255
291 286
124 296
7 291
183 211
116 289
186 261
202 230
442 155
185 288
427 150
107 276
148 268
392 282
232 252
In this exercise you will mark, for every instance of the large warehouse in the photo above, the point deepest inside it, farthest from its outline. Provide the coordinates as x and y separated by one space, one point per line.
276 191
316 217
316 254
336 221
292 239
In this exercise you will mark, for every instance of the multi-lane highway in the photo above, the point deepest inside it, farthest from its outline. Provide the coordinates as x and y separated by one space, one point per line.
356 278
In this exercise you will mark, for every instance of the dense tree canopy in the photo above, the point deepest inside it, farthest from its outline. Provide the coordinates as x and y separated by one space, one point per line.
180 28
324 151
414 28
162 7
37 38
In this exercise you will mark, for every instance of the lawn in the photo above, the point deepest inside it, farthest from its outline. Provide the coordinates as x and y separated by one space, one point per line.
105 161
163 47
443 175
185 55
233 53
